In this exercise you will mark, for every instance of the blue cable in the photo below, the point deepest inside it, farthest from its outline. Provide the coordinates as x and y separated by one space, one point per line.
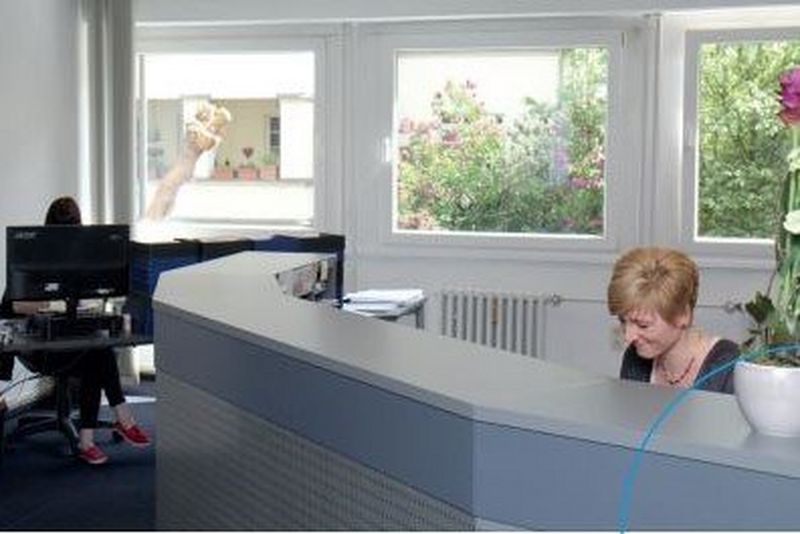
638 457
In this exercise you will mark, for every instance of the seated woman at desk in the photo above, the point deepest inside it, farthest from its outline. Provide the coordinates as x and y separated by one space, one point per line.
96 369
653 291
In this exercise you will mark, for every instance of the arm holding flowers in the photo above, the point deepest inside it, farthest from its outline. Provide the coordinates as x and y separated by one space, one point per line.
202 134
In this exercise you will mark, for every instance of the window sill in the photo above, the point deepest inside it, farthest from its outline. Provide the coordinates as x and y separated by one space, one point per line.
155 231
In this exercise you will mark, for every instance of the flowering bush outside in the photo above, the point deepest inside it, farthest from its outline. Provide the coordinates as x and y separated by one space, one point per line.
468 170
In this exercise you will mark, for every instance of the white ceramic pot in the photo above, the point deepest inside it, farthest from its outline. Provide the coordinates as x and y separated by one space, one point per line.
769 397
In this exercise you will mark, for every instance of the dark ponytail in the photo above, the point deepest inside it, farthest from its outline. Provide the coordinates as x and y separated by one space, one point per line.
63 210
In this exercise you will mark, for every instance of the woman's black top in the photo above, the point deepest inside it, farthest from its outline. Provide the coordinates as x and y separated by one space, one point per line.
634 367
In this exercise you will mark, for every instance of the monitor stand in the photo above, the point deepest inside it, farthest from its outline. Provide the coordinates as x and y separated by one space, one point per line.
72 308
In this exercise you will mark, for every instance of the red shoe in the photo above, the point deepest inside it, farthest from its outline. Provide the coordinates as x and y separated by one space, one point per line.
133 435
93 455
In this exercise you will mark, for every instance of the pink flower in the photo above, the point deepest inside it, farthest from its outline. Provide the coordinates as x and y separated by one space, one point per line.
581 182
790 97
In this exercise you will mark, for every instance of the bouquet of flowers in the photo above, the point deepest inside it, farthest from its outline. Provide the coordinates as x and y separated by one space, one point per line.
777 313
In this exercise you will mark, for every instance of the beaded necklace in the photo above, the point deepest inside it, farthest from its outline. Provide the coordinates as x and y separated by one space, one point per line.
670 378
699 347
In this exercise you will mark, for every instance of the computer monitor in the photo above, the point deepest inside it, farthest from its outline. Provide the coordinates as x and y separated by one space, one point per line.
66 262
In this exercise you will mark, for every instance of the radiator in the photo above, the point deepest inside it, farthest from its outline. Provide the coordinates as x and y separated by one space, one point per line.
507 321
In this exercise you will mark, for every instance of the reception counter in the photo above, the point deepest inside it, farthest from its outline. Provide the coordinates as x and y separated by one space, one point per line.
280 413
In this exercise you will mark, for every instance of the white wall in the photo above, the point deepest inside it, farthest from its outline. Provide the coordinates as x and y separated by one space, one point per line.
39 93
348 10
578 331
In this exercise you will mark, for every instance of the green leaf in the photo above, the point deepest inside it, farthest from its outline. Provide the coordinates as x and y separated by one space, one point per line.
760 308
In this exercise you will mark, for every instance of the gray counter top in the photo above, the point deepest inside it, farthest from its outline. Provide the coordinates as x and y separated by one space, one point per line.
239 295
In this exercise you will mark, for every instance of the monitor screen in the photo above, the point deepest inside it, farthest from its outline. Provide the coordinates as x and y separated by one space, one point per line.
66 262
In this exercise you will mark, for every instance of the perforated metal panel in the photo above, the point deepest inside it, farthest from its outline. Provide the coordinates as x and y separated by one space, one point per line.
220 468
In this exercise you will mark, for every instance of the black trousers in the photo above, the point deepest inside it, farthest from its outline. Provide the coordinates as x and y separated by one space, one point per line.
96 370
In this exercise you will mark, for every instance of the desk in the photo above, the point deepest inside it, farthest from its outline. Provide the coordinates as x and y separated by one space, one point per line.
20 343
409 430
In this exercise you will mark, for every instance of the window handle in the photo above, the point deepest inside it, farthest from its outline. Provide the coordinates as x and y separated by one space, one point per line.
387 149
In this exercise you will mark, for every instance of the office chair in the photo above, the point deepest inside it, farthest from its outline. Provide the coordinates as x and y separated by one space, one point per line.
56 415
20 406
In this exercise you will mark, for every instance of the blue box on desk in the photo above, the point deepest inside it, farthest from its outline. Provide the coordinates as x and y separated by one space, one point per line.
217 248
147 262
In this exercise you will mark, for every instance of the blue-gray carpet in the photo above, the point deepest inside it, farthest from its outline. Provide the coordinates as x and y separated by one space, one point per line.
42 489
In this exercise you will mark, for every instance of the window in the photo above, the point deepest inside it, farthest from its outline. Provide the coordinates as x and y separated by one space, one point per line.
741 149
274 145
502 141
232 175
722 70
486 137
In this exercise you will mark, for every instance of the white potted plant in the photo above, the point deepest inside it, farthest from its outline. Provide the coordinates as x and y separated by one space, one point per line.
768 385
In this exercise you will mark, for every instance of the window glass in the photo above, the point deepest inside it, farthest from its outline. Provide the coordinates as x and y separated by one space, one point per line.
742 145
508 141
229 137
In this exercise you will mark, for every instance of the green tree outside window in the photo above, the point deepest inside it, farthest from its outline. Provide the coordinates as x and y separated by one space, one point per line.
742 144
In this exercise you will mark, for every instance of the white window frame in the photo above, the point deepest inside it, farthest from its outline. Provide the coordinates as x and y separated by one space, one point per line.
326 41
746 247
623 37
